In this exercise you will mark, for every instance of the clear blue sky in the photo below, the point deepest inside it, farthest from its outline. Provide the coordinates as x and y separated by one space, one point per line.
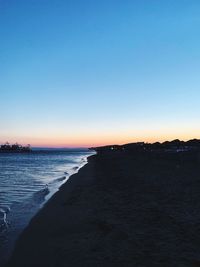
95 72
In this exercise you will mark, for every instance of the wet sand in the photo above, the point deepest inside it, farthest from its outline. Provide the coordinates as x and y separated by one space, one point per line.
121 209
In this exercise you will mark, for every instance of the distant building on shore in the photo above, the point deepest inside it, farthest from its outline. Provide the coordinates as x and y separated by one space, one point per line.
14 148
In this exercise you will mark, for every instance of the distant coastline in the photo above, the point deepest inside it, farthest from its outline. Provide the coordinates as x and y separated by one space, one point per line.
167 146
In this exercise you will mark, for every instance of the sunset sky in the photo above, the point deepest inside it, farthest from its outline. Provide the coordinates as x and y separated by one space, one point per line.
84 73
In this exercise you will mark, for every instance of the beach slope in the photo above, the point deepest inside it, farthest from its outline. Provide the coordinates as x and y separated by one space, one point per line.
121 209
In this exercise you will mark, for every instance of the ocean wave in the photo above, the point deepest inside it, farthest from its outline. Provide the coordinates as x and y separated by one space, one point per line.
4 210
75 168
39 196
60 179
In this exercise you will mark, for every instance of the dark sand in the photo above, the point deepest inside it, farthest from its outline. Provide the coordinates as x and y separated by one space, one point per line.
121 209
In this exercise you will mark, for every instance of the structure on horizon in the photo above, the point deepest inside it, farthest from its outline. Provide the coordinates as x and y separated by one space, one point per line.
14 148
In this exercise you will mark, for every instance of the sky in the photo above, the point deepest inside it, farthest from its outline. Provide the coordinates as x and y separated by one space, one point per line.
87 73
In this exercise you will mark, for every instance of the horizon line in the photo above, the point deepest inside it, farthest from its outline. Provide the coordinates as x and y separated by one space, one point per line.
100 144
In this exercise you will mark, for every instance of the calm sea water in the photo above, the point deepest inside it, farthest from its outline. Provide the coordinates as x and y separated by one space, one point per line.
27 181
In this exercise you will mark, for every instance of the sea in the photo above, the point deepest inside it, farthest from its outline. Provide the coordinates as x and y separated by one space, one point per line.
27 182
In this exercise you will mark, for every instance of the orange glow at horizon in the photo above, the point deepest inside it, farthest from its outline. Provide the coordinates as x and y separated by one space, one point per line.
90 140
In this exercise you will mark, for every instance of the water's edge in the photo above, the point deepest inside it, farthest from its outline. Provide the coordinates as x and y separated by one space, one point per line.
48 195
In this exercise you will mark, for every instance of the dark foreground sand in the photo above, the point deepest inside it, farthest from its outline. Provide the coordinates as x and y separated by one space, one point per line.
121 209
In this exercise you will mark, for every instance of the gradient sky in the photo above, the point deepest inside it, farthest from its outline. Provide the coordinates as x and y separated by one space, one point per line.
83 73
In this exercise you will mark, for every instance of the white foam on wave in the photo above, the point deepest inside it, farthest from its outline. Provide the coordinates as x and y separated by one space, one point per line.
3 219
60 179
40 195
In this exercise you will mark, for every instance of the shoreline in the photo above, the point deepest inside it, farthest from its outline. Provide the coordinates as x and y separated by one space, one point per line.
120 209
15 223
67 186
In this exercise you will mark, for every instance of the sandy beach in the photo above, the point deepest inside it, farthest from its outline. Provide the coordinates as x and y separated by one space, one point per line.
121 209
